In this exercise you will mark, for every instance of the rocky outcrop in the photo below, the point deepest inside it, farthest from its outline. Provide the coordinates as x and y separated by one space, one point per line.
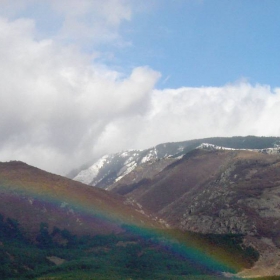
220 192
212 192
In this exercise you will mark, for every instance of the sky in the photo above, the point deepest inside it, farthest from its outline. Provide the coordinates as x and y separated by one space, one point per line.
84 78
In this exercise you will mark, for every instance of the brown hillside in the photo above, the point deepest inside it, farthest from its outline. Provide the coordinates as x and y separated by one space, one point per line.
235 192
210 185
32 196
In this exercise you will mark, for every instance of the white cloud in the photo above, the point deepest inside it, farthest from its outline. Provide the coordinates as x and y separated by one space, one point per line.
79 22
55 103
60 109
92 20
189 113
237 109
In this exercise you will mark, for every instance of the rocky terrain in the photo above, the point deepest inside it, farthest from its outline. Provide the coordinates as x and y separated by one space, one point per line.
227 187
217 191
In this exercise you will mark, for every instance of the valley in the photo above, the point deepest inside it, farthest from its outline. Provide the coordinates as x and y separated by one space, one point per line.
190 210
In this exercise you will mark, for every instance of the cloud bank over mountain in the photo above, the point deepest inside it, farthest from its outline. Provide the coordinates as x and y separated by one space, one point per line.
61 107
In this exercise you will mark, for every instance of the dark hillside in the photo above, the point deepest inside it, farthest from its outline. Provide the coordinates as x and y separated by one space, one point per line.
32 196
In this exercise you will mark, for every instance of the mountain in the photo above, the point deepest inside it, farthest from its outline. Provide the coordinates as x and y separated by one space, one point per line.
214 186
32 196
111 168
196 210
56 228
215 190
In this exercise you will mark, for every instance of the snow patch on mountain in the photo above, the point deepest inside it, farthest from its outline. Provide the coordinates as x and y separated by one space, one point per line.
129 165
86 176
207 146
151 155
111 168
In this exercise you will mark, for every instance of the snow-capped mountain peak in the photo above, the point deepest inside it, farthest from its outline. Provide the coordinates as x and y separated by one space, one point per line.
86 176
111 168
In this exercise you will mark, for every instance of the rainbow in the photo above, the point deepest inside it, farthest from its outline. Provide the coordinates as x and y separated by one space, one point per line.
101 208
103 215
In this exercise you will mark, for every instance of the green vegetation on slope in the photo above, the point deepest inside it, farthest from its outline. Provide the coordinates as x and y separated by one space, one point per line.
57 254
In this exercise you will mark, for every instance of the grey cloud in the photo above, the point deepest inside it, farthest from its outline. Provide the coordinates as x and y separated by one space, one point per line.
55 103
59 109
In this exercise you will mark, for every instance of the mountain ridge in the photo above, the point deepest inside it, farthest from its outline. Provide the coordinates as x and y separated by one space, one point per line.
54 227
111 168
210 192
33 196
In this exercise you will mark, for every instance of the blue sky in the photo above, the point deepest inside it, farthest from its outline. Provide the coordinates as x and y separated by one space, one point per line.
206 43
84 78
190 42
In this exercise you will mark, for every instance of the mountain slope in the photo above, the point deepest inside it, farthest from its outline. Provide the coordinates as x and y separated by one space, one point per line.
111 168
209 182
218 191
44 219
32 197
